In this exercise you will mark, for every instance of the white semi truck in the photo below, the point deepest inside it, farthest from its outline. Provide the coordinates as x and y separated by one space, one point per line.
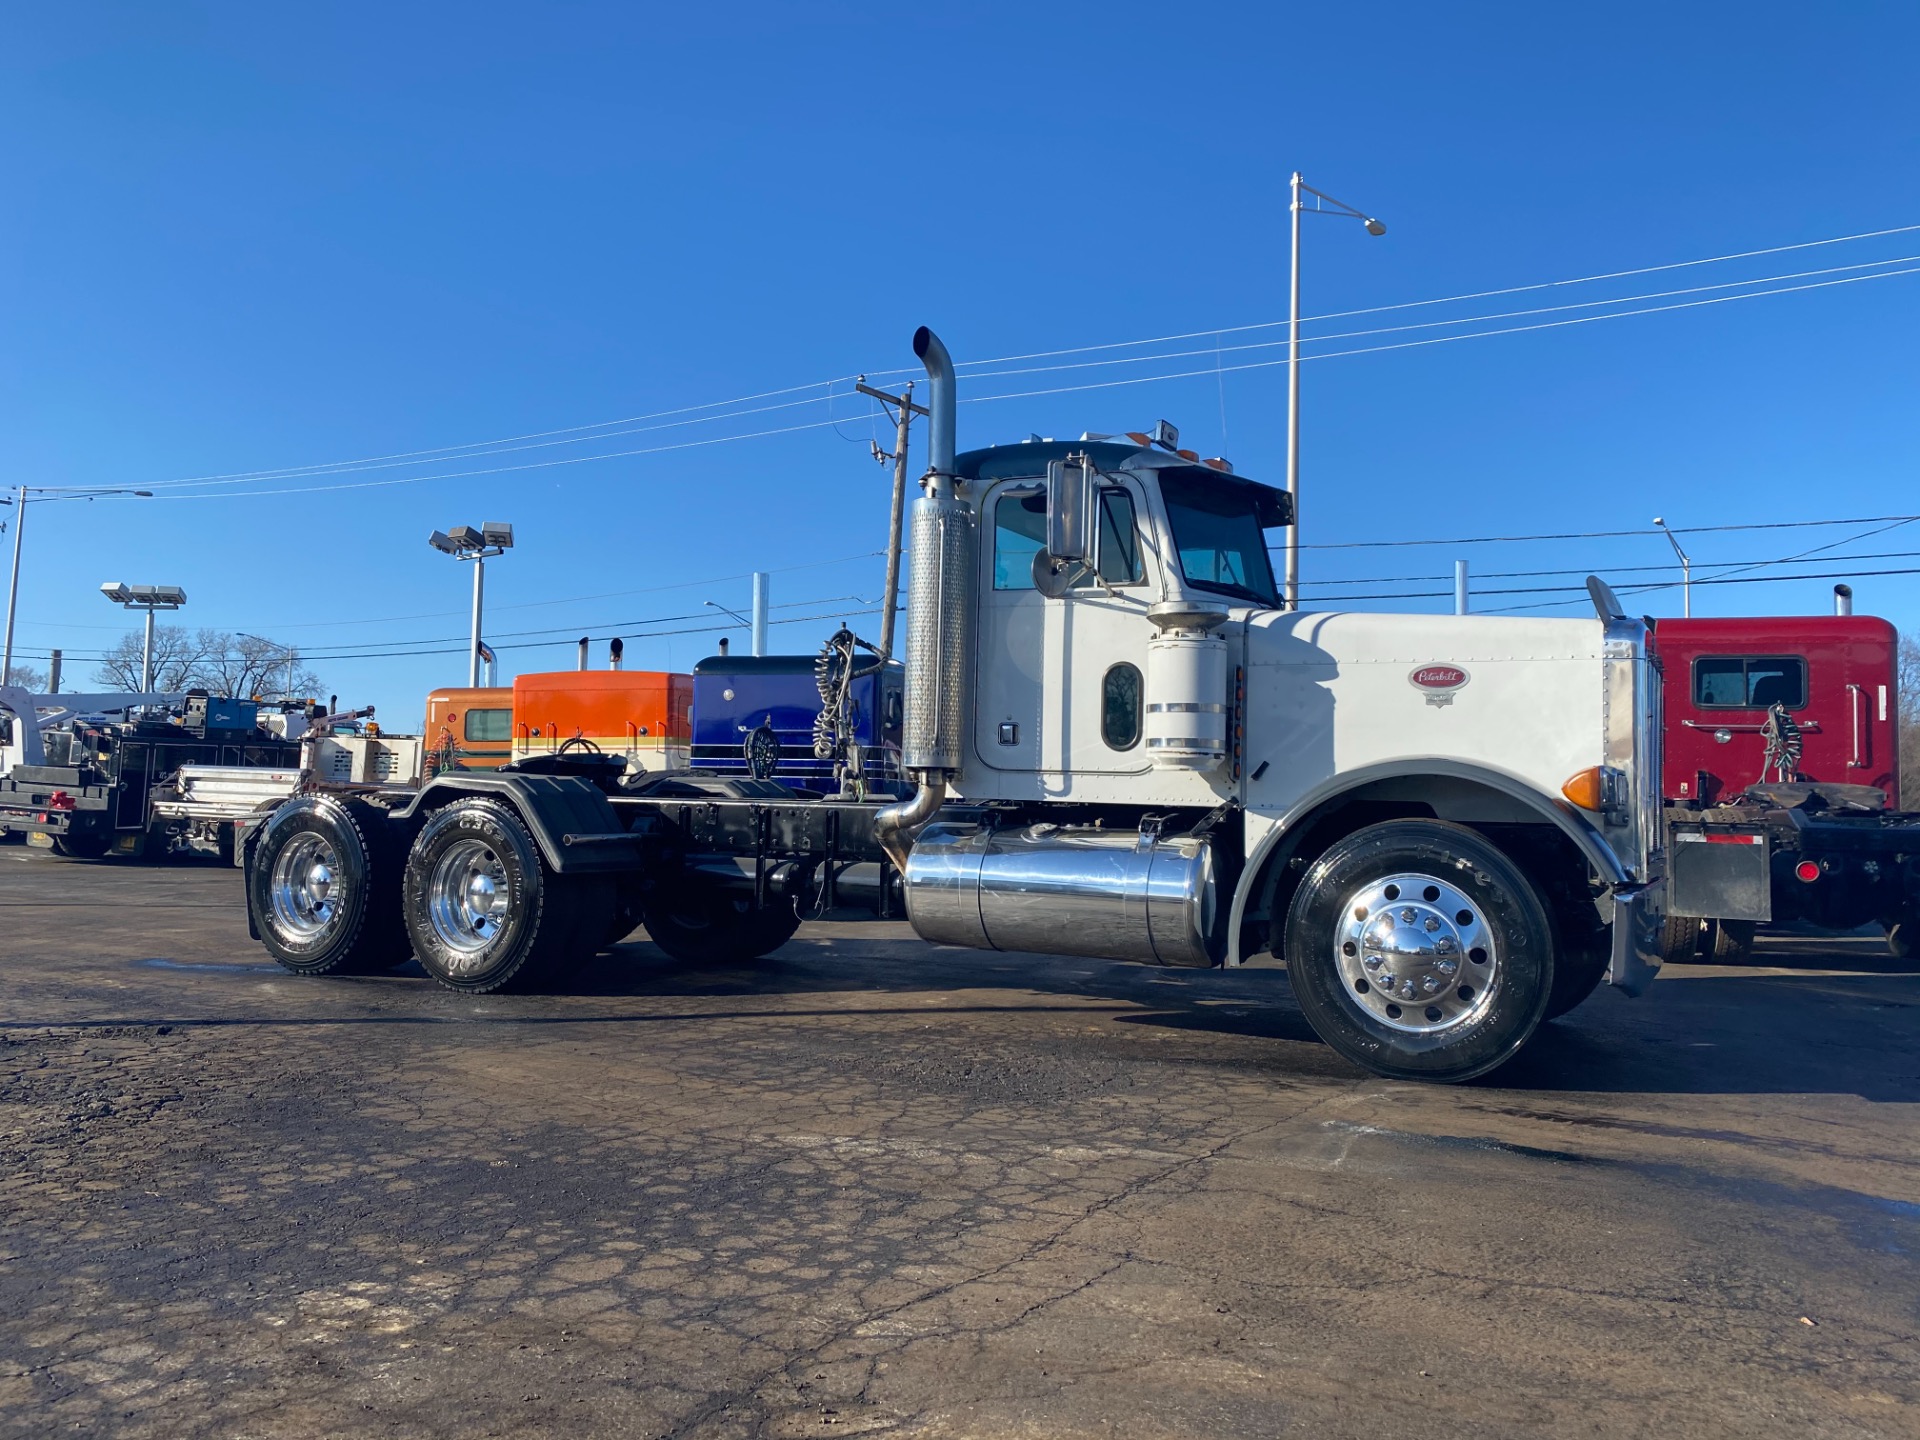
1123 746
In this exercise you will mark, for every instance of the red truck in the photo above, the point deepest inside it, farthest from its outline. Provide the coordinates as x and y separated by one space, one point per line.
1782 779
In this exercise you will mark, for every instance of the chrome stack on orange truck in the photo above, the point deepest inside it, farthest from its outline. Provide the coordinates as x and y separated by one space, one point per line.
1781 779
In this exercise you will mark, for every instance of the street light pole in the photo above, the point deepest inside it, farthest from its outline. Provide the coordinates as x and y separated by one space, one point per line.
464 542
473 649
1686 569
19 528
1298 206
1293 410
13 586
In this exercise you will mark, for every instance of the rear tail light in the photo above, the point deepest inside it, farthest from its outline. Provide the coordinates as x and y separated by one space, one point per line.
1807 870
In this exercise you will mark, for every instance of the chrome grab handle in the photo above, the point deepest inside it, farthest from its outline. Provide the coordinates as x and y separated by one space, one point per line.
1743 729
1855 694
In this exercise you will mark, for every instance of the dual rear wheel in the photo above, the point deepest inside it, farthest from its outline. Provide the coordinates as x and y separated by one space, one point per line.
473 899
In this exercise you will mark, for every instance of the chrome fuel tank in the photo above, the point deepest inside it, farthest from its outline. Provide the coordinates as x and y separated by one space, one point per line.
1116 894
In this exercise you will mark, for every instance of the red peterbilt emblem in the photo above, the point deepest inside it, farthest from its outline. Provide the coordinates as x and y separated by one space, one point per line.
1439 682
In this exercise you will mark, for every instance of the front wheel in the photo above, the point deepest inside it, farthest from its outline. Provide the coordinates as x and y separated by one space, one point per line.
1418 951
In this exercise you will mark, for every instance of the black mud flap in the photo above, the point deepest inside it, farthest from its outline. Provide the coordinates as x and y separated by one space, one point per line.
1720 876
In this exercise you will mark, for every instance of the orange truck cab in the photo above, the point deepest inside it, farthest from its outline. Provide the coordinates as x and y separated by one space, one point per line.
472 729
644 715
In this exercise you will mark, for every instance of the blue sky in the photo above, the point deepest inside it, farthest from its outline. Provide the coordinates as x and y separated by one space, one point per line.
246 239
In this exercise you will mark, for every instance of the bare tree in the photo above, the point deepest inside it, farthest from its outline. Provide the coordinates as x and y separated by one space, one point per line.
213 660
1909 682
27 678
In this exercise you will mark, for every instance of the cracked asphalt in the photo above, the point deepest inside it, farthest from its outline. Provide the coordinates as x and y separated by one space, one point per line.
873 1187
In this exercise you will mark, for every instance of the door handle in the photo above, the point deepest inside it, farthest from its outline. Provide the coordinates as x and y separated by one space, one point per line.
1855 695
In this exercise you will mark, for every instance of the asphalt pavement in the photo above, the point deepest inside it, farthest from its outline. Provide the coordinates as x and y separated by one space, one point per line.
869 1186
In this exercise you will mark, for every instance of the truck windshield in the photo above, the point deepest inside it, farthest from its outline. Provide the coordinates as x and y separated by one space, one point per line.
1216 531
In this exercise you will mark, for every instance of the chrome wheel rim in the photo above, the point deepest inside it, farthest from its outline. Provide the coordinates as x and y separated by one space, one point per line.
468 901
1416 954
306 887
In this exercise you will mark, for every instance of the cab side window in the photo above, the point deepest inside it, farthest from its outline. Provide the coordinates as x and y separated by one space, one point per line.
489 724
1020 533
1749 682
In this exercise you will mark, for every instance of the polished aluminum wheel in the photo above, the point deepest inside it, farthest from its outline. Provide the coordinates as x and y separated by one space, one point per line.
468 900
1416 953
305 887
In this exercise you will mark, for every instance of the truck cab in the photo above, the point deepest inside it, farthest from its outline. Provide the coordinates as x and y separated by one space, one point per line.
1835 676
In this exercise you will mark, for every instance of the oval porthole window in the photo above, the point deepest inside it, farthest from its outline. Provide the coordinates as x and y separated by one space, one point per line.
1120 707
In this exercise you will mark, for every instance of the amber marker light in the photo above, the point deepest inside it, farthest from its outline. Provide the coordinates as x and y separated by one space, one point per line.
1588 788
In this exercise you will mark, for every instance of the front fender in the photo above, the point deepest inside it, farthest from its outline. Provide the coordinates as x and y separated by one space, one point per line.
1550 808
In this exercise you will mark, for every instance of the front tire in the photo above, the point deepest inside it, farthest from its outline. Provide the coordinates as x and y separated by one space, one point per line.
483 909
1418 951
323 886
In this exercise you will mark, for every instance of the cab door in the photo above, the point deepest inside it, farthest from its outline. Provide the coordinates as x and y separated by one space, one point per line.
1060 685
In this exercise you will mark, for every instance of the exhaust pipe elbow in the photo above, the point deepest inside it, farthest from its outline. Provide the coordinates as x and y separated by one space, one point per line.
941 399
896 826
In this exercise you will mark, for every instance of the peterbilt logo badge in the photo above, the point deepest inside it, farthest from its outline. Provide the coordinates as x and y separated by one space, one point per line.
1438 682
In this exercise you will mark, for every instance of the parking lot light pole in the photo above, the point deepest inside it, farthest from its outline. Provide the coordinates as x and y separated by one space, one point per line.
464 542
1686 569
1373 227
149 598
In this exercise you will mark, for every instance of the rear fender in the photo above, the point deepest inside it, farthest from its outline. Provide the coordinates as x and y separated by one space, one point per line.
572 821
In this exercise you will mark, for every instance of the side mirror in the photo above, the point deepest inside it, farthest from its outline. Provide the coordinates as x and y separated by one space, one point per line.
1070 509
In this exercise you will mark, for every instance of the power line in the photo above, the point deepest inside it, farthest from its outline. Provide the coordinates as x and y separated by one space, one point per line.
475 449
1053 390
1606 534
1730 566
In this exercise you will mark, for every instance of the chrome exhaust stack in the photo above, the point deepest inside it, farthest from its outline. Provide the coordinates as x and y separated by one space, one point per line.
939 614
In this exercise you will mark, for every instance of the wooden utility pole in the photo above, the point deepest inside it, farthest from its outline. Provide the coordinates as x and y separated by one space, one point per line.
903 412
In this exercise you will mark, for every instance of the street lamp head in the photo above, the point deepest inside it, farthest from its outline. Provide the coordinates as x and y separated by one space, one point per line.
144 494
1375 227
497 534
116 591
1658 521
442 542
465 537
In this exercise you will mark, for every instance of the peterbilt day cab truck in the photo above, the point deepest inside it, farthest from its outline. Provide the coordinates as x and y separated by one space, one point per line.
1781 778
1120 745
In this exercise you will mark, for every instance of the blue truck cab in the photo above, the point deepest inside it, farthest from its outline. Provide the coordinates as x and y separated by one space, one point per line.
735 695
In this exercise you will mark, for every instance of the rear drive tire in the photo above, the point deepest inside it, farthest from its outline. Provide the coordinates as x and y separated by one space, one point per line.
80 847
708 925
323 888
1730 942
1682 937
1418 951
483 909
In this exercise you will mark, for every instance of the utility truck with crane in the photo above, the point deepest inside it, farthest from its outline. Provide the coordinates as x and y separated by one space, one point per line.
1118 743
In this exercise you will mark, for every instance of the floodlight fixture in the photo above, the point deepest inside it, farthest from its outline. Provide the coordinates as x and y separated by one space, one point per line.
464 542
148 598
